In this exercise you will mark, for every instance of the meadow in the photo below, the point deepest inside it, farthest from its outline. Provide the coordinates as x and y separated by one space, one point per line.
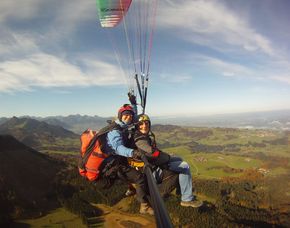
221 152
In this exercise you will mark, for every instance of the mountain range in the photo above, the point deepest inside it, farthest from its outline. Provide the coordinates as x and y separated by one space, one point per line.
36 134
76 123
264 120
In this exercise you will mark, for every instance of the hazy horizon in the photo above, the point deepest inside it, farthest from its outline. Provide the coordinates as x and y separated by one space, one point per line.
156 117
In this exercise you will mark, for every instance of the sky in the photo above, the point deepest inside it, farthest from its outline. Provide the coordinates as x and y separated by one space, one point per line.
208 57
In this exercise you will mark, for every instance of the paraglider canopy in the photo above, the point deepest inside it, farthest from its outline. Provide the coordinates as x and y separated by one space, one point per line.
112 12
137 17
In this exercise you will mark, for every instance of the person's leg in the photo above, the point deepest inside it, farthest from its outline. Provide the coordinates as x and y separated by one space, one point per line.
133 176
185 181
168 183
181 167
138 179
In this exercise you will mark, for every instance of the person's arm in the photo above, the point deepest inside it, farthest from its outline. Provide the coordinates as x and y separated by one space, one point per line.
135 108
143 144
115 141
132 99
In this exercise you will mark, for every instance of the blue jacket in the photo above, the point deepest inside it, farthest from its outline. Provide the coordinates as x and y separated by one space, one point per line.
116 140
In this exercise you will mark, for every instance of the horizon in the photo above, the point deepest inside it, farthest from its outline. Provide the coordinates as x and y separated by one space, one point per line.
208 58
156 117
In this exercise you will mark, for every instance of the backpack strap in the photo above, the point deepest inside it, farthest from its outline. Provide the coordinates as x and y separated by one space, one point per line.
111 126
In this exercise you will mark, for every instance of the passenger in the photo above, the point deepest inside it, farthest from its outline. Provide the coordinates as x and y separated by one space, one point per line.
145 141
166 180
115 144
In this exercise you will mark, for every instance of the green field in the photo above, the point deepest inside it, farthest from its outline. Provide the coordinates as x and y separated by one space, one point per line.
61 145
212 165
222 152
59 218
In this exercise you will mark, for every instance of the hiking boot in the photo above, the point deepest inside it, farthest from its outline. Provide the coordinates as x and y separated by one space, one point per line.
130 192
193 203
146 209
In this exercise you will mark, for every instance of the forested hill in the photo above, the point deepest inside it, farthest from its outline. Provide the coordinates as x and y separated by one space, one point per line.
26 178
21 127
3 120
38 134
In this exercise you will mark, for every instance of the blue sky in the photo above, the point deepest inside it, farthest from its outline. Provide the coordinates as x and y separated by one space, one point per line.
208 57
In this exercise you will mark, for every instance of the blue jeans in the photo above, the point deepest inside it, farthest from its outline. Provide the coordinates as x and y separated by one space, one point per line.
176 164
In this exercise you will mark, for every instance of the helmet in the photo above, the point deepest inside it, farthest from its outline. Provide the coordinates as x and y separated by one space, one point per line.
125 108
143 117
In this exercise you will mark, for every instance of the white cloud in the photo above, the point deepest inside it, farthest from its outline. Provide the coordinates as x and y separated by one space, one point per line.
282 78
49 21
176 78
276 71
18 9
67 18
65 12
212 24
43 70
25 65
17 44
222 67
230 69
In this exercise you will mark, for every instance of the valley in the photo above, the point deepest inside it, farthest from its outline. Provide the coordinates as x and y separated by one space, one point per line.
242 175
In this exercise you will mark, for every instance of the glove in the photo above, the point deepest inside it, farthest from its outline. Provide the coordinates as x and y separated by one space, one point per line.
137 154
156 153
132 98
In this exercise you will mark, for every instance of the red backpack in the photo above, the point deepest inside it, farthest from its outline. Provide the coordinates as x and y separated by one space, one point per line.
91 153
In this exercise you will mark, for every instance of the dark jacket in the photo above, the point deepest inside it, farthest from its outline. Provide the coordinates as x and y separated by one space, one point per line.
167 180
147 144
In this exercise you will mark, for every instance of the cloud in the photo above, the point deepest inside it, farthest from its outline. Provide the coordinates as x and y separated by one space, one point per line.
277 71
17 44
176 78
18 9
282 78
220 66
234 47
33 55
66 12
67 17
29 58
212 24
43 70
46 23
230 69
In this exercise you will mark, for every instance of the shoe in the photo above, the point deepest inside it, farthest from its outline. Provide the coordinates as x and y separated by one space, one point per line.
193 203
146 209
130 192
